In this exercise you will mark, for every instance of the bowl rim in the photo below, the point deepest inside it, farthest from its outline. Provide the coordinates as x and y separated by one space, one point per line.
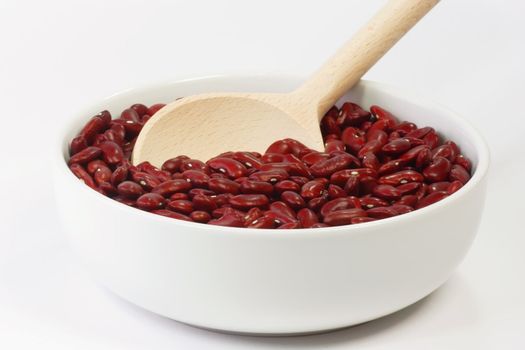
480 146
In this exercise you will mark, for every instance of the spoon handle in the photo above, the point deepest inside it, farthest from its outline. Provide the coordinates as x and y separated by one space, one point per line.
365 48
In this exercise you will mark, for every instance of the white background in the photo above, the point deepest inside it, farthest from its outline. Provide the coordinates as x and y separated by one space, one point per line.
57 56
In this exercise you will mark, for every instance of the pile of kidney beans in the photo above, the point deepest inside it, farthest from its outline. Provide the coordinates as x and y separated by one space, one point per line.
373 167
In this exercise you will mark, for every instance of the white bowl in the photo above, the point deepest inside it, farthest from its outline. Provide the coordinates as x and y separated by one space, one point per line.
273 281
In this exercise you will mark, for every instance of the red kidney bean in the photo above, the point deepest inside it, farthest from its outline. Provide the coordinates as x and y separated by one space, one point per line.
419 133
155 108
290 226
431 139
247 201
140 109
464 162
272 158
130 114
82 174
445 151
111 152
99 138
200 216
361 219
283 209
380 124
151 201
293 199
255 187
328 122
147 181
367 185
431 199
272 176
132 128
334 145
167 188
438 186
381 212
352 186
228 166
454 186
438 170
352 114
195 191
313 189
391 166
335 191
387 192
120 174
279 217
408 188
77 144
252 214
307 217
316 203
382 114
339 204
401 177
173 165
179 195
377 135
291 168
327 167
319 225
343 217
405 127
424 157
171 214
183 206
373 146
193 164
401 208
370 161
314 157
412 153
422 191
94 126
394 135
409 200
102 175
204 203
227 220
458 173
224 186
147 167
126 201
130 189
221 199
263 222
372 202
248 159
341 177
196 178
286 185
94 165
396 146
86 155
354 139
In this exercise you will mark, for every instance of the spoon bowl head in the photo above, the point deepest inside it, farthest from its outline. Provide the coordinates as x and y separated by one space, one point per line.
206 125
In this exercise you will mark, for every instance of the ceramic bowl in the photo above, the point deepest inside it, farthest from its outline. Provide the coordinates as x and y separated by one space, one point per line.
273 281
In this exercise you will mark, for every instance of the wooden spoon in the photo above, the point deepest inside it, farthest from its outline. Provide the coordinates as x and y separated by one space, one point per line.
205 125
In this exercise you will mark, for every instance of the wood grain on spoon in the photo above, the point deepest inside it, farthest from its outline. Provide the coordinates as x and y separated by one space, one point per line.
203 126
